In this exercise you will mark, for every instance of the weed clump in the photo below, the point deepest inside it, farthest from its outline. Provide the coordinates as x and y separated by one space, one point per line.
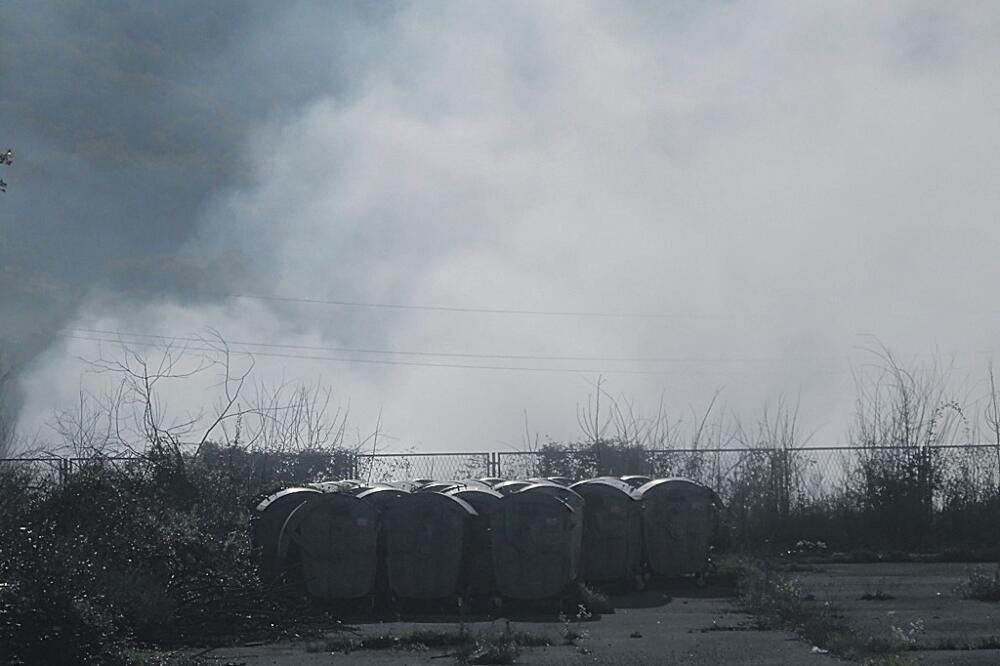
491 648
778 603
593 600
982 585
877 594
488 647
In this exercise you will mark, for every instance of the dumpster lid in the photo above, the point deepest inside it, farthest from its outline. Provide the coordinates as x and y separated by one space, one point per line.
481 499
506 487
677 484
546 498
451 501
614 485
474 491
636 480
568 495
561 480
437 487
445 486
383 495
266 502
337 486
324 499
407 486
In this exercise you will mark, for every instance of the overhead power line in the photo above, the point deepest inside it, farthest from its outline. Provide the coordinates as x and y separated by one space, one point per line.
438 354
370 361
494 311
202 346
739 314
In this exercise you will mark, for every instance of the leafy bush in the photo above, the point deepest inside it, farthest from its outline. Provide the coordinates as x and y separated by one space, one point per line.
46 624
153 553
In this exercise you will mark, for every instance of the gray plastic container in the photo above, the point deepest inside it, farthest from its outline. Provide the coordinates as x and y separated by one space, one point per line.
480 577
612 531
265 530
336 535
536 545
426 538
680 519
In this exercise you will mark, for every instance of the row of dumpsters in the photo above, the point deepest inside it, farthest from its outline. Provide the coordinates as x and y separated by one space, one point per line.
485 538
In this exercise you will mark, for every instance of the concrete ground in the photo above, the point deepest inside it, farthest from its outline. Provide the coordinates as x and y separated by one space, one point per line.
920 605
679 625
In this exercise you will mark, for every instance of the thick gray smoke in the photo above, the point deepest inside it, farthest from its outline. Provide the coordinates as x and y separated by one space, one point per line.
778 180
127 117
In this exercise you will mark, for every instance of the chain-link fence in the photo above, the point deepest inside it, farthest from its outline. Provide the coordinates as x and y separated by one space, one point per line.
381 467
904 496
46 470
805 473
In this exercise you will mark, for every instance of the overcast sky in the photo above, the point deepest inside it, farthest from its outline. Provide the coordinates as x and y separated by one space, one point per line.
771 185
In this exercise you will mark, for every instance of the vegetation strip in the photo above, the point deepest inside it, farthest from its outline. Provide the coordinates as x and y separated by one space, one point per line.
487 647
777 602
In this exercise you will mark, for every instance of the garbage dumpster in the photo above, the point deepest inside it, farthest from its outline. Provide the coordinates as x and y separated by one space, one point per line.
382 497
575 500
481 581
535 545
265 530
612 531
426 535
680 517
336 535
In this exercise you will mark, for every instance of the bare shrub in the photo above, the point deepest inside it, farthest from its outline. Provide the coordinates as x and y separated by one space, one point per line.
7 406
903 416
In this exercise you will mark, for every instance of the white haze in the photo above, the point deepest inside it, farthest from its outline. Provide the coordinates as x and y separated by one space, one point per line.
783 179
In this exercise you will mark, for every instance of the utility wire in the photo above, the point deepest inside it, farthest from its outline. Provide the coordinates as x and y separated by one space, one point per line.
574 313
367 361
495 311
370 361
394 352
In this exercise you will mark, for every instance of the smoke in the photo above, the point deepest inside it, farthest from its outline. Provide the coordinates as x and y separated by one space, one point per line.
771 182
127 118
